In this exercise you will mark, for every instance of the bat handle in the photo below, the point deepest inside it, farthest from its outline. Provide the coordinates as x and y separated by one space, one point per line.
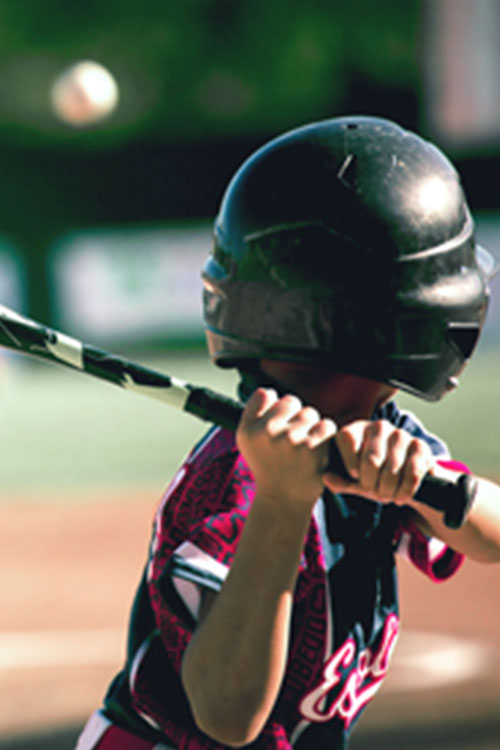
454 499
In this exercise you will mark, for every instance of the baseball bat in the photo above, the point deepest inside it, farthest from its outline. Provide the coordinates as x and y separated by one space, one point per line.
22 334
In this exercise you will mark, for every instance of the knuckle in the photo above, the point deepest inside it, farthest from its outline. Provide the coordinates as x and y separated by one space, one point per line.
290 400
310 414
321 433
327 427
373 458
379 428
329 424
272 427
421 450
414 473
419 456
397 438
418 446
296 436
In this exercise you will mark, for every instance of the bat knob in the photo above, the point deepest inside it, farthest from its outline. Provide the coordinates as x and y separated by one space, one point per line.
454 499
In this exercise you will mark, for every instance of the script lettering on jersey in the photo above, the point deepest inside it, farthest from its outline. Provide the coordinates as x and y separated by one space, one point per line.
363 680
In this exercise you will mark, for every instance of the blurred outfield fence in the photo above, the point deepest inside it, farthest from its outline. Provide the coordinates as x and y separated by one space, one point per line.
131 285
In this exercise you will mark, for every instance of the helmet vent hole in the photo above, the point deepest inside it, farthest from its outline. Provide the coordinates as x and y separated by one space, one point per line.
464 337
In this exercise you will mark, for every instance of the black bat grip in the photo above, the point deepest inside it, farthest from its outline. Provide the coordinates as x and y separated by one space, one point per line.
454 499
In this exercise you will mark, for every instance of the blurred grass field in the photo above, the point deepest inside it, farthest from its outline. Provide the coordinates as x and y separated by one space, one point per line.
63 431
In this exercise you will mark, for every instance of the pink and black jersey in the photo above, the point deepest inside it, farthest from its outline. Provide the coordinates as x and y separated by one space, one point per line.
345 618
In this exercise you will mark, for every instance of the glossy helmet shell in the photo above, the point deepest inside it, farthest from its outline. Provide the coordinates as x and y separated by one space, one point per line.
348 244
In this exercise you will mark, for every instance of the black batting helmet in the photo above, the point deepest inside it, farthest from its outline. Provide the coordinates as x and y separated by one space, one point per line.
348 244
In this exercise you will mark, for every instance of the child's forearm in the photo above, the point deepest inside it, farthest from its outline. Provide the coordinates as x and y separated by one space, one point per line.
234 665
479 537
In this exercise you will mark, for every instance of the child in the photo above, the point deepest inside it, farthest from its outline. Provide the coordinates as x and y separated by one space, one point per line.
344 268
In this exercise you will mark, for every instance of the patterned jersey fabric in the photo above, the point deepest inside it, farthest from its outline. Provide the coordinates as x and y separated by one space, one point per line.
345 618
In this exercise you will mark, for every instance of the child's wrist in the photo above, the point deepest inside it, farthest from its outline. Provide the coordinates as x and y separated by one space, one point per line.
282 502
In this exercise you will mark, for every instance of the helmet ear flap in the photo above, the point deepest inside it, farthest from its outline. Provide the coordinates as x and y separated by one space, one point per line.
464 337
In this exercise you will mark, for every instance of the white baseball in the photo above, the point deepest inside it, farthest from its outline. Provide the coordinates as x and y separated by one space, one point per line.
84 94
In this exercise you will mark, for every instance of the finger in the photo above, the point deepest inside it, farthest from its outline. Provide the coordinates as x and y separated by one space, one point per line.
349 440
258 404
418 462
391 473
301 424
373 454
321 432
277 418
336 483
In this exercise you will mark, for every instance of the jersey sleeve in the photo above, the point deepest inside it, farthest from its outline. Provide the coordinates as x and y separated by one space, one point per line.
429 555
192 570
198 527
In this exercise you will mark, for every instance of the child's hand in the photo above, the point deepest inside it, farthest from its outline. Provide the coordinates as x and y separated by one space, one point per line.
286 447
386 464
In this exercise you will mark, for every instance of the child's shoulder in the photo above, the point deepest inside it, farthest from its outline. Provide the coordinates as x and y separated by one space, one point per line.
212 488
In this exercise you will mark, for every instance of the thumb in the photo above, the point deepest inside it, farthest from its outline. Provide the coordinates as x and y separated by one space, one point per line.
337 483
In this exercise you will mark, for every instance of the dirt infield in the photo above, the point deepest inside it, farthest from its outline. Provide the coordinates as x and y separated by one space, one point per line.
69 572
67 568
